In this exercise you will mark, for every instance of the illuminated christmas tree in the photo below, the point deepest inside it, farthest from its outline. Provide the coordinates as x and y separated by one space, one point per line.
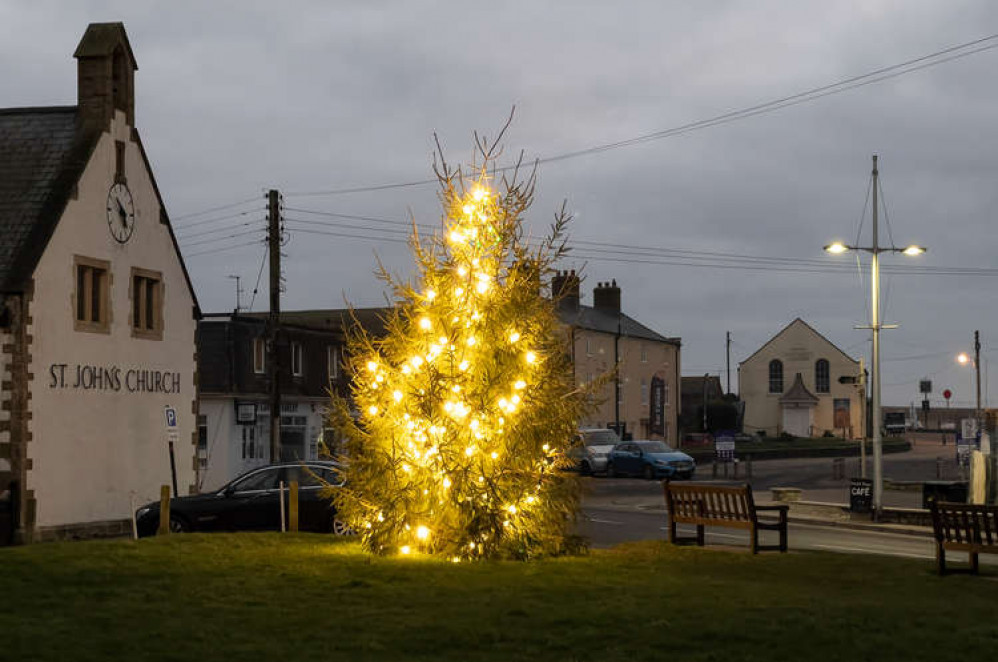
465 408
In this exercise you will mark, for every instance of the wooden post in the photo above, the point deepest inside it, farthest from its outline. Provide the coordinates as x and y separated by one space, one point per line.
164 510
280 496
293 507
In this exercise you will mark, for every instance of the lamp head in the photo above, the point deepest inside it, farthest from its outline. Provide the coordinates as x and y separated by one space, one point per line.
962 358
913 250
836 248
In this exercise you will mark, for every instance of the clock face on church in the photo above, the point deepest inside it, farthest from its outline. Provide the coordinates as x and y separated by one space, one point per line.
120 213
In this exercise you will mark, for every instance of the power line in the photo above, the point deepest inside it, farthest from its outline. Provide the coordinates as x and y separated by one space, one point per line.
228 236
213 251
844 85
256 288
210 221
214 209
224 228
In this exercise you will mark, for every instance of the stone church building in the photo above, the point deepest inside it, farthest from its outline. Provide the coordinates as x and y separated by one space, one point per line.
97 312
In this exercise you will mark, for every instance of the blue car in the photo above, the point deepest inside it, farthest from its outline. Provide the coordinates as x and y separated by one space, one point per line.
650 459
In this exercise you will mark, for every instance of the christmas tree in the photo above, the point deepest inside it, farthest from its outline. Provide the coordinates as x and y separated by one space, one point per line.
462 412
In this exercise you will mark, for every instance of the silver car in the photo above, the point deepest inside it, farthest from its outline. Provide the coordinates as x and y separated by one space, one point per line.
593 450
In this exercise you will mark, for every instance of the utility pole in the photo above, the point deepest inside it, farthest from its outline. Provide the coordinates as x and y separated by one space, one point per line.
239 290
728 357
616 379
274 321
878 468
706 377
977 367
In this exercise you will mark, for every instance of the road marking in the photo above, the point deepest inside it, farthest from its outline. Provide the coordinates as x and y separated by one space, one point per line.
867 550
603 521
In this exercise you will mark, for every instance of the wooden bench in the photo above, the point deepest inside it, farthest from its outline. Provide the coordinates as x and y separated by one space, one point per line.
720 505
961 527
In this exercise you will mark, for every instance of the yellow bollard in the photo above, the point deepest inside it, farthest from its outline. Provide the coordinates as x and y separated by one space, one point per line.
293 507
164 510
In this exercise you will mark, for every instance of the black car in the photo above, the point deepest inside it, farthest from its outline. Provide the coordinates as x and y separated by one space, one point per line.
251 502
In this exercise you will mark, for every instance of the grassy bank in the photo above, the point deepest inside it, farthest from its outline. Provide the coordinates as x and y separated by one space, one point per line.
267 597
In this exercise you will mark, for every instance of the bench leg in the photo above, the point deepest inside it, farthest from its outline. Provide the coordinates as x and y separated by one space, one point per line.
700 537
974 566
783 535
672 531
940 560
755 540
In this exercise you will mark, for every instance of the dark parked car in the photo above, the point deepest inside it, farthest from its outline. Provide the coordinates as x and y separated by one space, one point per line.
651 459
251 502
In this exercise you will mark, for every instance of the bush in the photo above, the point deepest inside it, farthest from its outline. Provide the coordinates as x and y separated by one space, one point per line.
786 436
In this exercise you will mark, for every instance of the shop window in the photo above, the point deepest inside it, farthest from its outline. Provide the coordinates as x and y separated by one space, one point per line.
147 304
644 390
333 361
92 295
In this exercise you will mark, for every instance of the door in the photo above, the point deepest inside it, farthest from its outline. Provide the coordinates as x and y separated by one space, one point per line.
253 503
315 512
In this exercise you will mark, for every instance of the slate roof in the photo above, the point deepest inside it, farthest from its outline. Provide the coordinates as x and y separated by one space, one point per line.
41 158
798 393
604 321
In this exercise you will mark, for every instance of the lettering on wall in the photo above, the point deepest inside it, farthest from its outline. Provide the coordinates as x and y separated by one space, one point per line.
112 378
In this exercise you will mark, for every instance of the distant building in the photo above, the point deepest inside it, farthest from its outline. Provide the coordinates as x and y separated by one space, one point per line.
649 362
694 393
97 313
234 420
801 384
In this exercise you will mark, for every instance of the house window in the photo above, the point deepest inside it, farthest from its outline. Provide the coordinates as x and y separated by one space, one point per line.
259 355
296 359
202 432
821 377
147 304
91 298
589 346
665 393
644 390
644 353
249 442
119 162
333 361
776 376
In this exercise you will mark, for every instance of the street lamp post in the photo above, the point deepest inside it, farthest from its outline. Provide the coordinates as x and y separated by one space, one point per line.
875 325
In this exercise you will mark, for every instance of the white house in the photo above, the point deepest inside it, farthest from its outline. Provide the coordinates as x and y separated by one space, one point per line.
97 312
800 383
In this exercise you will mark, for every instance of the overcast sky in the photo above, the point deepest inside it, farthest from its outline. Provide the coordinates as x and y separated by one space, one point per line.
235 98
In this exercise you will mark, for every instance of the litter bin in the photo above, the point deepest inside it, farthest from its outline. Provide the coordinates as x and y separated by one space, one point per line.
944 490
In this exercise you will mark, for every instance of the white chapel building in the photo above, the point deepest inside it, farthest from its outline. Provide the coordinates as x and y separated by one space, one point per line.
97 312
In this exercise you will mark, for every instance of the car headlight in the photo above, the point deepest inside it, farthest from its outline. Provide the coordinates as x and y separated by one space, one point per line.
142 512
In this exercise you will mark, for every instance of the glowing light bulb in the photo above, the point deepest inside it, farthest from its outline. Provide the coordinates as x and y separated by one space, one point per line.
531 357
477 194
459 291
422 533
430 295
474 424
372 410
531 499
503 403
448 407
469 451
463 366
495 455
456 237
546 447
520 385
372 366
515 399
406 370
513 337
397 395
462 271
379 378
405 549
471 545
416 361
455 559
425 324
455 388
471 341
511 508
482 287
446 483
468 209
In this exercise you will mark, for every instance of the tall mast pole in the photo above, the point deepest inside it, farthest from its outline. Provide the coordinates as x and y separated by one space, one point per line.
878 476
274 322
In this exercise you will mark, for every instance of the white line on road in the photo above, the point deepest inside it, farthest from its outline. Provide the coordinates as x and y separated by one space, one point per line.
603 521
867 550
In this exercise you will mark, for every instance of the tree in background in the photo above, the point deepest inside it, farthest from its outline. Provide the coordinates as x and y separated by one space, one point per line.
464 410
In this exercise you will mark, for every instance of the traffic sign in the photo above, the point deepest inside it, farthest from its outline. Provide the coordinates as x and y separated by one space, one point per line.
925 386
171 417
947 394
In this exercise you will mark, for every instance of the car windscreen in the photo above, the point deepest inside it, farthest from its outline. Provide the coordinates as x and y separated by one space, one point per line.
654 447
601 438
261 480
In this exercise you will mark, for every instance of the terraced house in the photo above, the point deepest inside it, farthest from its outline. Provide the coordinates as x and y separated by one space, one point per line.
97 313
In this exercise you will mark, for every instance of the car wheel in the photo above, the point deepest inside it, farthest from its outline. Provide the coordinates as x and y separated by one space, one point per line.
585 469
340 528
649 472
610 471
178 525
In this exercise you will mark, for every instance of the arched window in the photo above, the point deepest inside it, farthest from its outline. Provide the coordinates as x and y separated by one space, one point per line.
776 376
821 379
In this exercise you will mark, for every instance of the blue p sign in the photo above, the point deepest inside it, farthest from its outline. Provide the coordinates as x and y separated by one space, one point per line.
171 417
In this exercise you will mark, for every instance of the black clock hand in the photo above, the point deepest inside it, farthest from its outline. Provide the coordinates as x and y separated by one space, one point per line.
122 214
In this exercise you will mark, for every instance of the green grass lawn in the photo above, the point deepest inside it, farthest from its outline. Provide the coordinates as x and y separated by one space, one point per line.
307 597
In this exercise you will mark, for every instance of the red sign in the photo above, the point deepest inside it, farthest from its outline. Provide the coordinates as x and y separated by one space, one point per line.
947 393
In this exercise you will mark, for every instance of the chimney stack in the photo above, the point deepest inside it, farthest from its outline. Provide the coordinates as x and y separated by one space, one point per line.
606 297
565 290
